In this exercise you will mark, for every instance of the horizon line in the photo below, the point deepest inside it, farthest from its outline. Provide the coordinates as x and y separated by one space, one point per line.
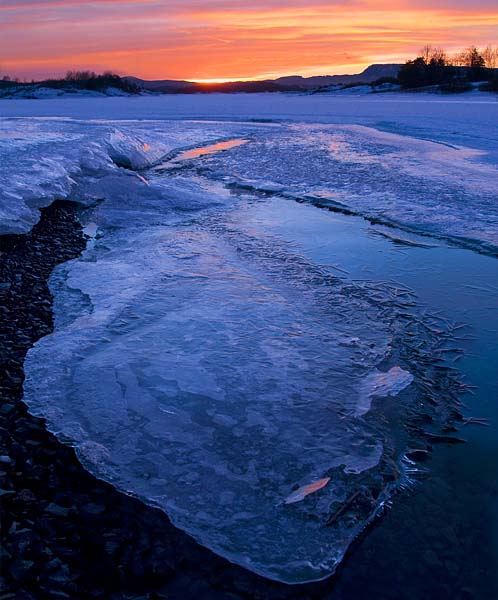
357 69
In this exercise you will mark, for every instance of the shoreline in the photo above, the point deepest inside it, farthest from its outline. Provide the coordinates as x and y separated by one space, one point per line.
66 534
70 535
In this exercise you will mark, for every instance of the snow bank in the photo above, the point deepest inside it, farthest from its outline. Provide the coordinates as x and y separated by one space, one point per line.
36 170
44 160
41 92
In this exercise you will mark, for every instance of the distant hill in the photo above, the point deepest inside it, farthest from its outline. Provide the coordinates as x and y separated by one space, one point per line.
169 86
172 85
293 83
370 74
108 84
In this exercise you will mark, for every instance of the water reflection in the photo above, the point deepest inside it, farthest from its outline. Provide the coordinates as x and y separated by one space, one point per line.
200 151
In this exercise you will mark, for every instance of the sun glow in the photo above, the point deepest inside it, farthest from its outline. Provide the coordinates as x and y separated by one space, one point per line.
218 80
218 41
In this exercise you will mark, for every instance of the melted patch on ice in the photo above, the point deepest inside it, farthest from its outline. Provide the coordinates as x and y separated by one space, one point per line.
380 385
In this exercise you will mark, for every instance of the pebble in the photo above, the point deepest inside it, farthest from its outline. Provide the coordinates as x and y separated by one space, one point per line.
21 569
56 510
93 509
4 554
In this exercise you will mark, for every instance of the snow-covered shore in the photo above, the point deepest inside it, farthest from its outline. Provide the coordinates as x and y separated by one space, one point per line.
41 92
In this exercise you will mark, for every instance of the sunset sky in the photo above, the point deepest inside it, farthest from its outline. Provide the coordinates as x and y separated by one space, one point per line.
223 39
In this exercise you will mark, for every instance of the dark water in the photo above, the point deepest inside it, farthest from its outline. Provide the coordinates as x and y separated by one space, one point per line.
439 540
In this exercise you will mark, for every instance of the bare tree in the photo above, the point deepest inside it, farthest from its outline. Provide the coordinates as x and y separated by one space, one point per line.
426 53
490 56
470 57
432 54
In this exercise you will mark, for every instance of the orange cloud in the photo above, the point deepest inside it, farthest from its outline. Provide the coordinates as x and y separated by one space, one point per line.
221 39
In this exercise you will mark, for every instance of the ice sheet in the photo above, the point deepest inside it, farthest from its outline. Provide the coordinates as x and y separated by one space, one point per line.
421 185
426 162
207 366
212 376
47 159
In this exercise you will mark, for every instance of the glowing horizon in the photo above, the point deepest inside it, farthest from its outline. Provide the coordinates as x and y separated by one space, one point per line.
212 41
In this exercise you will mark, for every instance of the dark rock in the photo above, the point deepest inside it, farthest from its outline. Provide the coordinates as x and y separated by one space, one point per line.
27 595
56 510
23 538
54 565
6 408
93 509
4 555
26 496
418 454
59 578
52 592
21 570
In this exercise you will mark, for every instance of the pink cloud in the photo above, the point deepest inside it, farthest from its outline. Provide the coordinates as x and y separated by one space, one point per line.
222 38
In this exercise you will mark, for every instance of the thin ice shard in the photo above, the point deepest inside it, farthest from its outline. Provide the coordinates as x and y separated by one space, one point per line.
306 490
380 385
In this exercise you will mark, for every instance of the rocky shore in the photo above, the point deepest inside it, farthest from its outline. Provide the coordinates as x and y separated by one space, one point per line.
64 533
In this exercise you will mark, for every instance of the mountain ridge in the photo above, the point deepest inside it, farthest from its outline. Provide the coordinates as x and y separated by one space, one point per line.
288 83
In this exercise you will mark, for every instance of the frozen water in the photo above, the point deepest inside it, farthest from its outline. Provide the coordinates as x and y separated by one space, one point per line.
433 159
421 185
43 160
202 362
214 373
381 385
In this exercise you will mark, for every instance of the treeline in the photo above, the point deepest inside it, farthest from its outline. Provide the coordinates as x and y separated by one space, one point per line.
452 74
80 80
89 80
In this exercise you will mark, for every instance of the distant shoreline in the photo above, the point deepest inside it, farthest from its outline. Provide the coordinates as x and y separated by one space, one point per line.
364 90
